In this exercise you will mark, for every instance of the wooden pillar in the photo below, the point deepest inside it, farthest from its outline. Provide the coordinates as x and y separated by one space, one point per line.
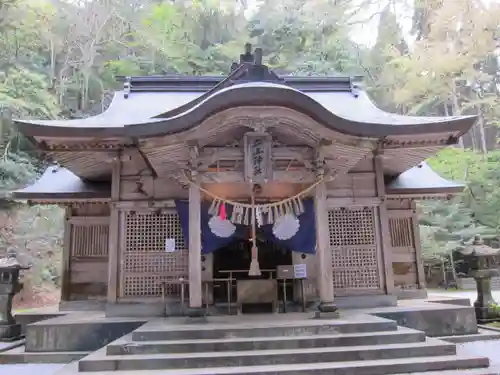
195 289
66 256
114 232
383 222
418 247
324 275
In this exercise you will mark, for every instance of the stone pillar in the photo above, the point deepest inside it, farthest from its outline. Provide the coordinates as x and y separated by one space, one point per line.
324 275
195 289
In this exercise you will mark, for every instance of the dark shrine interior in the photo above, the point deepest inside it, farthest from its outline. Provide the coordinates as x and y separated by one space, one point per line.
237 257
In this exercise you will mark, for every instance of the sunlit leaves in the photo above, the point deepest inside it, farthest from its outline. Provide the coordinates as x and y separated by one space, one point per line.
26 93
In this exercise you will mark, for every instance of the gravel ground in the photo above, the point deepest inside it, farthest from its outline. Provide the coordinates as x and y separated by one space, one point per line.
489 349
472 295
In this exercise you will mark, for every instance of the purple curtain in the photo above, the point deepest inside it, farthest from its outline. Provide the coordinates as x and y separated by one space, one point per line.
304 241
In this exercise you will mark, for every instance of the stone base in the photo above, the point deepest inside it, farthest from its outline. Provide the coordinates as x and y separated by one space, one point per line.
32 317
327 307
326 315
403 294
486 321
485 315
197 320
9 333
142 310
88 331
77 332
194 313
87 305
366 301
436 320
169 308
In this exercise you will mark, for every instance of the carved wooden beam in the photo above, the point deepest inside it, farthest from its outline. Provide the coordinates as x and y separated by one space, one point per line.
319 161
193 163
214 154
299 176
145 158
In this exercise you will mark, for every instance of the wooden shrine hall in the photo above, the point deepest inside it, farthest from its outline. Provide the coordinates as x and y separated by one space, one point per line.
246 193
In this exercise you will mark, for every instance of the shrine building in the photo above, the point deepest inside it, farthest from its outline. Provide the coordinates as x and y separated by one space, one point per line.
245 193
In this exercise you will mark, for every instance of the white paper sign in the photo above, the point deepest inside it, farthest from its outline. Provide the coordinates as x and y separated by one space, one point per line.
300 271
169 245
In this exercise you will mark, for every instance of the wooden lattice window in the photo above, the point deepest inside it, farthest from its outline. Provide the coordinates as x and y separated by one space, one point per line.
146 264
354 250
402 237
401 232
89 241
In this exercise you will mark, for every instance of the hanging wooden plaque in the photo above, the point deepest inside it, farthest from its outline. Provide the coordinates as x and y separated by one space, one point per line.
258 166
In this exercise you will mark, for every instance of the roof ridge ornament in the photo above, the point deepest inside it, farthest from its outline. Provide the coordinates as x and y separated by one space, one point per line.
127 87
252 67
248 56
355 89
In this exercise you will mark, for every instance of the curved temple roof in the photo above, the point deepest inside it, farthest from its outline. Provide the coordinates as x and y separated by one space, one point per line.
422 180
150 114
58 183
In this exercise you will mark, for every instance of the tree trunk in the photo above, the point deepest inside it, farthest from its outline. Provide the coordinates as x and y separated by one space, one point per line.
455 106
480 125
473 137
443 270
52 61
453 271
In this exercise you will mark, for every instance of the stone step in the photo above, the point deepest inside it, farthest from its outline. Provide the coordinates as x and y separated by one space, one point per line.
377 367
476 371
101 362
125 346
159 330
20 356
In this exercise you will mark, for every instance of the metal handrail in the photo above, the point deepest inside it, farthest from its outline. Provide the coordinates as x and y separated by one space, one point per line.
182 282
230 272
229 282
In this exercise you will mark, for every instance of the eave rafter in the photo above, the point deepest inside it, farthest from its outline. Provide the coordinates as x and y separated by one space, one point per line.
84 146
422 196
441 141
397 161
404 152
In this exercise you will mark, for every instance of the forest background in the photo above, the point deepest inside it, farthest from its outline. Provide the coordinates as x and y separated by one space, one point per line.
59 59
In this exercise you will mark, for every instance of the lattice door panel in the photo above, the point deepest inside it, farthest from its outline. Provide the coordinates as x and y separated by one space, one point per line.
146 264
355 259
89 241
349 227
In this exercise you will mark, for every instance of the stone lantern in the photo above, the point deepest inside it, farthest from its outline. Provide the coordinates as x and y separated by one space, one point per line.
9 286
483 265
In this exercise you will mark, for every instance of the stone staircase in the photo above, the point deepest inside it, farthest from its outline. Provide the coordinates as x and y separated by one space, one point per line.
276 345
